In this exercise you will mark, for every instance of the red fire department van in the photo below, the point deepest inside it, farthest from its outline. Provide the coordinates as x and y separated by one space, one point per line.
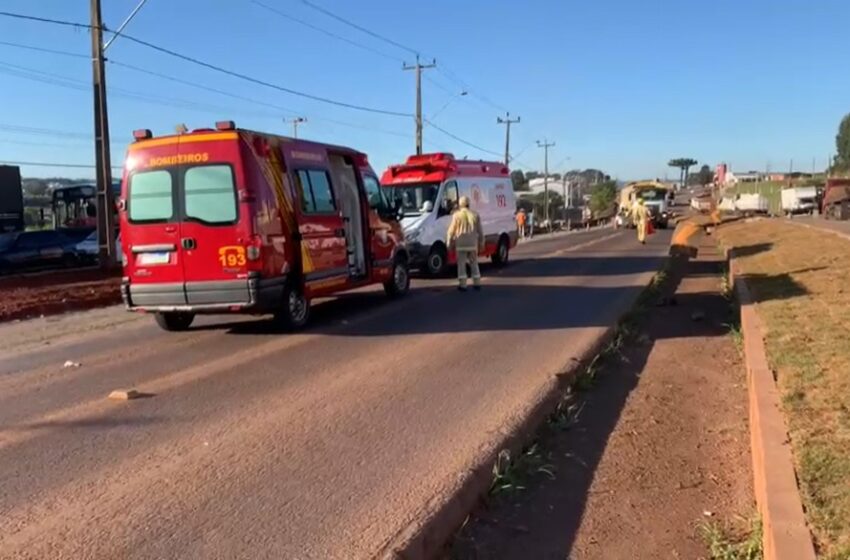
228 220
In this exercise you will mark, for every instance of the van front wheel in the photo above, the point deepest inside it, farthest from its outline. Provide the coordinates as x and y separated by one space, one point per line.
399 282
174 322
437 260
296 309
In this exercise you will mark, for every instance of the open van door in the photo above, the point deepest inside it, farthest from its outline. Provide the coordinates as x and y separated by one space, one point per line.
324 250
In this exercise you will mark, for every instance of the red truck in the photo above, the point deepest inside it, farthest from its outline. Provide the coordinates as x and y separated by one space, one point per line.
836 199
229 220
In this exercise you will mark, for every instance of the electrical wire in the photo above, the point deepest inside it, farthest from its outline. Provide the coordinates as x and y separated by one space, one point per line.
219 69
53 164
46 20
44 131
325 31
359 28
461 140
40 49
264 83
251 100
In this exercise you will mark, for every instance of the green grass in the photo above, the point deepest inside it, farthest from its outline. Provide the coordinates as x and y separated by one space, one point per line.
726 542
804 304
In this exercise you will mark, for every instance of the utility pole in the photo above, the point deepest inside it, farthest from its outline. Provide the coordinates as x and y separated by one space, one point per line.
546 145
295 122
419 68
103 161
507 121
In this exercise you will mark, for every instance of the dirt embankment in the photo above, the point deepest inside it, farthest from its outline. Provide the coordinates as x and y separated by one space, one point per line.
50 293
649 460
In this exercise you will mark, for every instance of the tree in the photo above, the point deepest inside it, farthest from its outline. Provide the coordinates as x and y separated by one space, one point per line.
603 196
518 180
684 165
842 145
705 176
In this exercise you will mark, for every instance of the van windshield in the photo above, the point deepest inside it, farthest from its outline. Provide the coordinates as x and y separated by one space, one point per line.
411 198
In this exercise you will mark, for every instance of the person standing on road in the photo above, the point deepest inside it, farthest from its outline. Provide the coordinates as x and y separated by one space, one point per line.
531 224
640 215
466 236
520 223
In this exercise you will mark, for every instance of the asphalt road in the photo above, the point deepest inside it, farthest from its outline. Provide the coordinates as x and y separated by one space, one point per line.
256 444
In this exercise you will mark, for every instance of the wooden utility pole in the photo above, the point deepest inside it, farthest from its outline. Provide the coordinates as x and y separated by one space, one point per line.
546 145
103 160
419 68
507 121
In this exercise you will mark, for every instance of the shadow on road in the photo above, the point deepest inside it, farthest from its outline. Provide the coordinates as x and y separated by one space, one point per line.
544 520
525 296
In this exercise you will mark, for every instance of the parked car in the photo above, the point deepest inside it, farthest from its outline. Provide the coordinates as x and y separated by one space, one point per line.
38 249
88 249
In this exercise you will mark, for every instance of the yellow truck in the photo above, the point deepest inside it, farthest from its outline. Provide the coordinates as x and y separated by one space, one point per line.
655 196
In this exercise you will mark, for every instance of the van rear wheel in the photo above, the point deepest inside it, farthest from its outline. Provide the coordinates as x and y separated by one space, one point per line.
295 312
500 257
174 322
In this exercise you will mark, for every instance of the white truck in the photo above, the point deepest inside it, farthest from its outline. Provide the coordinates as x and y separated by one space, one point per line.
799 200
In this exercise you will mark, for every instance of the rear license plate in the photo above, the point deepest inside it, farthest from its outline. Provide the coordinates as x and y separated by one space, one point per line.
154 258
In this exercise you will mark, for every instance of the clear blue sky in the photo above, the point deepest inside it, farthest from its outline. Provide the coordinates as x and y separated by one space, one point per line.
618 84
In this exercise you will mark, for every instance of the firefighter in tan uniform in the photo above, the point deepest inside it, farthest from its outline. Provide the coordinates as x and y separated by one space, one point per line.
640 215
466 236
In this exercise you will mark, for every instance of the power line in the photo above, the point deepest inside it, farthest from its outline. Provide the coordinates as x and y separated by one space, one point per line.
461 140
263 82
359 28
219 69
46 20
325 31
40 49
71 83
44 131
249 99
53 164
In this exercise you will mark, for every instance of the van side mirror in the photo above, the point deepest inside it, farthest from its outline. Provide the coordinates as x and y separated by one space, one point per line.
427 207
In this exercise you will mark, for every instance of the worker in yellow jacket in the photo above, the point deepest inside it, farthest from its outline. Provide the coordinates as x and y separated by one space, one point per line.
640 215
466 237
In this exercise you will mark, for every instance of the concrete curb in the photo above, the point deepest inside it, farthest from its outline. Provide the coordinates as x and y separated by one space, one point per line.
786 535
426 536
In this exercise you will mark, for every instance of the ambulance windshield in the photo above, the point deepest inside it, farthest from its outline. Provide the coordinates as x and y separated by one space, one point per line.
411 198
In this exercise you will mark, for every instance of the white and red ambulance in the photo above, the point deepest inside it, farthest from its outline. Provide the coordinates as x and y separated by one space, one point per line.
427 188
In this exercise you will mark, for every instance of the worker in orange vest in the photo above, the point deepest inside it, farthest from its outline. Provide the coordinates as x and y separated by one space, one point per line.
520 223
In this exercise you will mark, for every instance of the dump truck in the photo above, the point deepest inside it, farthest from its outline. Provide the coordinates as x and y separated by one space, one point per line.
836 199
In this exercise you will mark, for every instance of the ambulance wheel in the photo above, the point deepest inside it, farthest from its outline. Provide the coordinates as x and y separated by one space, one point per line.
399 282
500 256
295 310
174 322
438 260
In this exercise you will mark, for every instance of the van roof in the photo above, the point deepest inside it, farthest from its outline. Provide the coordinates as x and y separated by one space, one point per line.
209 134
438 166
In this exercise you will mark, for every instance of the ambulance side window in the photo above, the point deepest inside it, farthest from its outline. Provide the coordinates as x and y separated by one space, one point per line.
314 188
449 201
